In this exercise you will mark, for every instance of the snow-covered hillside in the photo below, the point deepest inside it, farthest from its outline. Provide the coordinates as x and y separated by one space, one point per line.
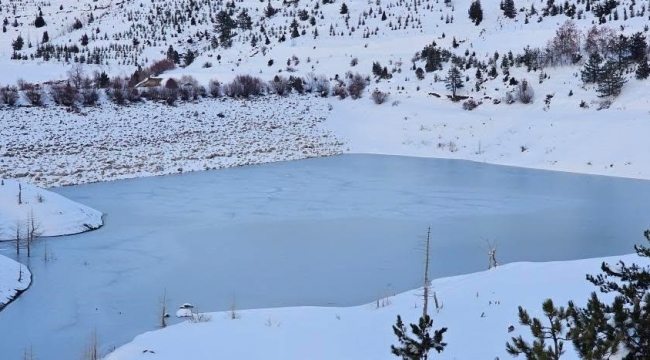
14 278
477 308
52 214
567 126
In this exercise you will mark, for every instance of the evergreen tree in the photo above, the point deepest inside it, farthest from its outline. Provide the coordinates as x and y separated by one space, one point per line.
555 332
39 22
103 80
294 29
418 347
189 57
17 44
592 71
170 53
224 27
84 40
344 9
476 12
509 9
46 38
638 47
244 20
626 320
454 80
269 11
612 80
643 71
619 48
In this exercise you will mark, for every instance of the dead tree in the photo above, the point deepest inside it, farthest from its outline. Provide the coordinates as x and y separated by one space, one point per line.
32 232
492 255
18 238
20 194
425 307
163 311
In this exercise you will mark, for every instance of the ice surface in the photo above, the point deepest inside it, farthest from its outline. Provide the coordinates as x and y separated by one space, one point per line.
333 231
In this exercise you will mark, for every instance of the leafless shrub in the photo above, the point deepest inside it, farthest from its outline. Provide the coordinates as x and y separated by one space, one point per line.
525 92
470 104
35 96
117 91
9 95
170 91
89 96
189 81
356 85
378 96
321 85
197 318
215 88
160 66
154 93
297 83
510 98
24 85
340 90
64 94
354 62
133 95
280 85
244 86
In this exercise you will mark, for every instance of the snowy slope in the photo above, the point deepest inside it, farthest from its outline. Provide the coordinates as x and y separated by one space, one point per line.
477 308
14 277
52 146
53 214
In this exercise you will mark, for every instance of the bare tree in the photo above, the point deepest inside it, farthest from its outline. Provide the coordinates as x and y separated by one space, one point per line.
163 311
492 254
427 282
525 92
29 354
565 44
20 194
92 349
32 232
18 238
76 76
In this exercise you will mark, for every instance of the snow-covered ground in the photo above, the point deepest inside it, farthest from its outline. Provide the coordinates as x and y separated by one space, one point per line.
53 214
477 308
25 207
57 148
14 278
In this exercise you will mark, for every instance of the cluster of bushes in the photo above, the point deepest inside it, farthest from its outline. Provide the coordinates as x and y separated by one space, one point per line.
81 89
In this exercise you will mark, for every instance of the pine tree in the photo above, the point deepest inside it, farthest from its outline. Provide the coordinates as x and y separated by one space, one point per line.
294 29
418 347
509 9
189 57
39 22
476 12
643 71
555 332
269 11
611 81
46 38
628 315
244 20
224 27
454 80
591 73
638 47
344 9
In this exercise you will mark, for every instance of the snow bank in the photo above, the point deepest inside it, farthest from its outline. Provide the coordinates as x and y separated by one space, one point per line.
53 214
14 278
477 308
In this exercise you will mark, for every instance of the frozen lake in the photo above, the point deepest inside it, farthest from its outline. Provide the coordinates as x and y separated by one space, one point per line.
334 231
